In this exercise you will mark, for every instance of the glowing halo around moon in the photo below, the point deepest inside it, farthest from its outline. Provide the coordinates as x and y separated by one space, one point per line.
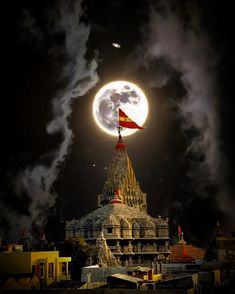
119 94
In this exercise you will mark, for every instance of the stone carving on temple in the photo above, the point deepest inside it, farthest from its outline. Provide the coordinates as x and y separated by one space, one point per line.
132 235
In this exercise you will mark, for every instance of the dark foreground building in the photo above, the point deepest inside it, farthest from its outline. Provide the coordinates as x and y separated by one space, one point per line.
132 235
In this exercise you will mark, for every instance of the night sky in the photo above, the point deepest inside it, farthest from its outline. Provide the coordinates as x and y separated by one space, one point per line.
58 54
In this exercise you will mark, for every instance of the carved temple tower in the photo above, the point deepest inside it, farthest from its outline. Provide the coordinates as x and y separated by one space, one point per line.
121 180
133 236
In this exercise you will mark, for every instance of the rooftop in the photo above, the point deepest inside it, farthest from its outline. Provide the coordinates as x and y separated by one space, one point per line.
118 212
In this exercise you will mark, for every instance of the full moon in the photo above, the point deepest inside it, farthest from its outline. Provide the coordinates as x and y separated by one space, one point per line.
119 94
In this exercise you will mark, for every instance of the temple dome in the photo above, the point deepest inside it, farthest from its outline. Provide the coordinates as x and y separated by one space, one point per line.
118 211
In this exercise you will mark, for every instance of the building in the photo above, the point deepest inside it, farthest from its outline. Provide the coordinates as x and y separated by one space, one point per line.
184 284
47 266
133 236
185 253
224 248
124 281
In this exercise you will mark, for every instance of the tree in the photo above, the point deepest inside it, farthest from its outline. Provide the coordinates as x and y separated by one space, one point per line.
80 251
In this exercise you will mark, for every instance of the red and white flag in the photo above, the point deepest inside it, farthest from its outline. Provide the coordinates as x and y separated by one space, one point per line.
126 122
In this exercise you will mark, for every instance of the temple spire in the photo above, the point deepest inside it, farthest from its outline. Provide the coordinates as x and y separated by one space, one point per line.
120 146
121 177
182 241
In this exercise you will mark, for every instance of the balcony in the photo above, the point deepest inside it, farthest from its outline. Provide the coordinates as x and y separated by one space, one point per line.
116 249
128 250
163 250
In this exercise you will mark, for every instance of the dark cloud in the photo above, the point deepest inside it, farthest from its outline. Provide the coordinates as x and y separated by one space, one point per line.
180 44
168 52
33 186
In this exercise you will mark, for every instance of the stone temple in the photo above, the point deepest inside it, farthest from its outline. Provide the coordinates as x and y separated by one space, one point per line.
132 235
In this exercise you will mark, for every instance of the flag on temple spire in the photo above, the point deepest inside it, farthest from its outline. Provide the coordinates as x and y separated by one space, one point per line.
126 122
179 231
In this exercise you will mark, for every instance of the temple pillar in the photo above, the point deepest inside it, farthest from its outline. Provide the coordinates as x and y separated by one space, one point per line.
118 260
130 262
155 246
139 247
126 262
118 247
67 269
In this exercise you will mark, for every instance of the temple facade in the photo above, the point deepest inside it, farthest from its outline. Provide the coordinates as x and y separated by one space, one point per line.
133 236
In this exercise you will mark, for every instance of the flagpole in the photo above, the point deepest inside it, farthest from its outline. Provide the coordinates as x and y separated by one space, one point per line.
119 132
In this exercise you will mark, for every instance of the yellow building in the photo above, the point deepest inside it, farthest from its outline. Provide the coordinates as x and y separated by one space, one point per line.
46 265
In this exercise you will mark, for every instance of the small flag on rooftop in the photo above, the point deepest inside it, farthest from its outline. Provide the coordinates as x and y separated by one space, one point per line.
179 231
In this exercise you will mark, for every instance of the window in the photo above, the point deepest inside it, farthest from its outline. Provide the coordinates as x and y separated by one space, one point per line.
51 270
142 233
42 270
109 230
36 270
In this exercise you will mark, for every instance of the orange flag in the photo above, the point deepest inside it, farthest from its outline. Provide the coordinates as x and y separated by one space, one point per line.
126 122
